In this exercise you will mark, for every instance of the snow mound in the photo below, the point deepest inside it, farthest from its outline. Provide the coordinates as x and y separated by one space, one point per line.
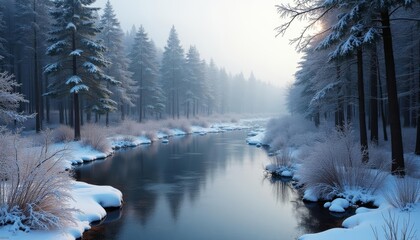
339 205
257 139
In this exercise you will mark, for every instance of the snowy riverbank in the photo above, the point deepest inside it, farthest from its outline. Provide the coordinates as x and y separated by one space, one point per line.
89 201
318 160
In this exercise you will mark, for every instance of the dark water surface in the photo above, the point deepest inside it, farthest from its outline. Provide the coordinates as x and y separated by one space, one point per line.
200 187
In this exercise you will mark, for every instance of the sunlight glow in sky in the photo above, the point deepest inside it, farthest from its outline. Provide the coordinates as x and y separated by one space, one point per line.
237 34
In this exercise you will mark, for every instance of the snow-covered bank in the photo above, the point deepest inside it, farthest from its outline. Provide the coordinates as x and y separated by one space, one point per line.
89 202
329 165
78 152
378 223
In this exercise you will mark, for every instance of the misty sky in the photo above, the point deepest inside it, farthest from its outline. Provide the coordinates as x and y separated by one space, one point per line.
238 34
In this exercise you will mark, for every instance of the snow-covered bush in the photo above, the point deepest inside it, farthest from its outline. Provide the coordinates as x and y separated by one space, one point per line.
129 127
96 137
9 99
392 230
289 131
182 123
282 164
404 193
63 133
34 189
335 169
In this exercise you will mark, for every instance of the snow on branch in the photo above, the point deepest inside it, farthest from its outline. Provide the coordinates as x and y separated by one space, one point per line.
57 47
78 88
320 95
71 26
74 79
77 52
90 67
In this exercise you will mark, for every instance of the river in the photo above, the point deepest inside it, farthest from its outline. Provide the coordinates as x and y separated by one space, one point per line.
201 187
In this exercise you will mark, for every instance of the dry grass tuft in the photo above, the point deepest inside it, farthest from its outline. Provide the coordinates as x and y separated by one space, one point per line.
404 193
96 137
34 189
335 167
63 133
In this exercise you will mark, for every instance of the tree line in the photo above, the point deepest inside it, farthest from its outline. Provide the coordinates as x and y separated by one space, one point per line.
361 65
70 60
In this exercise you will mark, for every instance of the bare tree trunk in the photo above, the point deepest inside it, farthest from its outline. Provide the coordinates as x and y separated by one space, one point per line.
362 111
373 96
398 167
417 150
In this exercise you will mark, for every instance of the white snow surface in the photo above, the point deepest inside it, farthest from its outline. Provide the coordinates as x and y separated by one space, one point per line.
89 202
339 205
256 139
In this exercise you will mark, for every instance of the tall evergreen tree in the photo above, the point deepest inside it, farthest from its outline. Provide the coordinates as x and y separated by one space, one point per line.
145 71
194 81
355 21
172 72
79 58
112 37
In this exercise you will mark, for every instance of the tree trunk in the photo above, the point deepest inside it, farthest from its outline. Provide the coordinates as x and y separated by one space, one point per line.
61 111
381 103
76 117
362 111
76 106
122 112
398 167
373 96
47 101
417 150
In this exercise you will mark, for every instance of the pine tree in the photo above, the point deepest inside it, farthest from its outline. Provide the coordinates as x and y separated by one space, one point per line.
145 71
79 58
112 37
194 81
351 30
32 23
172 72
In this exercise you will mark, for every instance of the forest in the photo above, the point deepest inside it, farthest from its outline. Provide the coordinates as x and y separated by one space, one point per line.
71 64
361 66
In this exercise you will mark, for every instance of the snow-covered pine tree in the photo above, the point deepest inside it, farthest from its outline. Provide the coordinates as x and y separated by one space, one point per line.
194 81
212 99
172 72
78 58
145 71
352 14
112 37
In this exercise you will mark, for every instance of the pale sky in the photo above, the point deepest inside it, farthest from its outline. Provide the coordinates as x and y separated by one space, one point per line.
237 34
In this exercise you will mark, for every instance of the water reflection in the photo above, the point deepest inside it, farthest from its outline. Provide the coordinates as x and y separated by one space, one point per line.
199 187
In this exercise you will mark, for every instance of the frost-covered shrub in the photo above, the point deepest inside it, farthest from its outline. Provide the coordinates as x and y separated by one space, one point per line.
392 230
404 193
63 133
282 164
335 168
96 137
182 123
34 189
199 122
129 127
289 131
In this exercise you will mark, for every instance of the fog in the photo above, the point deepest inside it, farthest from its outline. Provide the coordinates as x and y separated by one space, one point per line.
237 35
